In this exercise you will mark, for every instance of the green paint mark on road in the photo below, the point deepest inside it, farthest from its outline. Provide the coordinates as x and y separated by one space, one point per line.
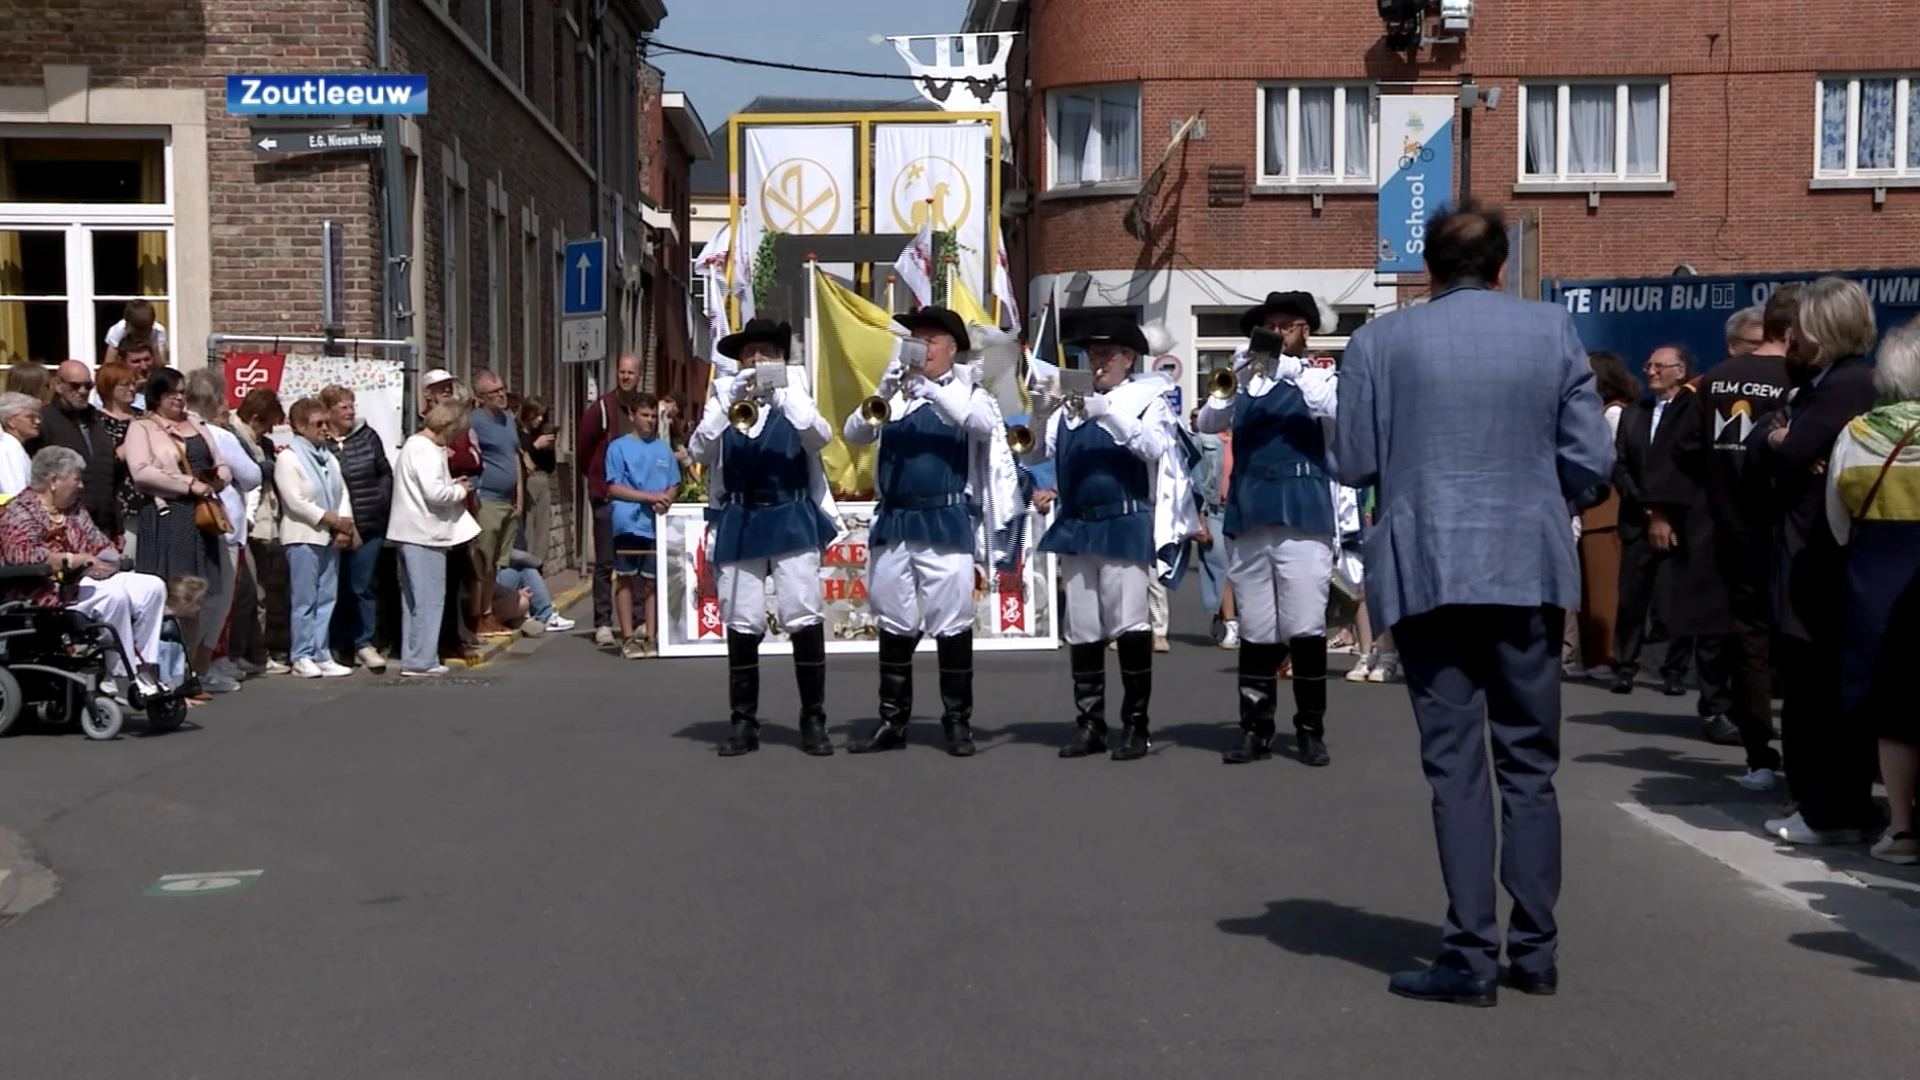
202 884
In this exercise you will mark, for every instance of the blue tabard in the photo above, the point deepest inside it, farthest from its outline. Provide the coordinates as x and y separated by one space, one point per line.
1106 497
921 480
768 508
1279 465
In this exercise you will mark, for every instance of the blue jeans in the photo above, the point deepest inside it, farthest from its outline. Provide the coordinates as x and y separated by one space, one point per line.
314 570
423 600
1212 561
526 577
358 611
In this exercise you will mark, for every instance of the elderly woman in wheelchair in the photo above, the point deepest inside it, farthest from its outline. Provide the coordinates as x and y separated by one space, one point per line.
43 529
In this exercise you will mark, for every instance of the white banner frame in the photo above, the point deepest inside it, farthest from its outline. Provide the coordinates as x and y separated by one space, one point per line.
677 607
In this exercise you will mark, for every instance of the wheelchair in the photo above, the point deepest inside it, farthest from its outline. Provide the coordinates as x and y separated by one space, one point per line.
52 662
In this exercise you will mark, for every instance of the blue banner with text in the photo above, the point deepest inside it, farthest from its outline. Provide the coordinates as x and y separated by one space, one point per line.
326 95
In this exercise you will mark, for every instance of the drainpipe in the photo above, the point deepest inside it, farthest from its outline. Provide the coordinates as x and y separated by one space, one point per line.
396 317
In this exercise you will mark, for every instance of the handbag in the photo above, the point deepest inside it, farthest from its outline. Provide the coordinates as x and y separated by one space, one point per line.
209 516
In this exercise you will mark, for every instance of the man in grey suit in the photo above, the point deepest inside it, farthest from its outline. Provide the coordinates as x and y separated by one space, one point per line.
1475 414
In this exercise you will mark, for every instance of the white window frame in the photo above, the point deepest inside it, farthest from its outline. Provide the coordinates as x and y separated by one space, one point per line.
456 290
1561 115
529 300
498 268
1904 81
1054 183
1293 176
78 221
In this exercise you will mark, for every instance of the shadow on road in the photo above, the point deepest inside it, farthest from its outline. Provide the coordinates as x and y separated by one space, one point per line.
1670 777
1845 945
1385 943
1642 723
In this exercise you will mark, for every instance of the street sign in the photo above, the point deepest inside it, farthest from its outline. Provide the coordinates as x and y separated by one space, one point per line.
308 142
586 284
201 884
335 95
583 340
333 277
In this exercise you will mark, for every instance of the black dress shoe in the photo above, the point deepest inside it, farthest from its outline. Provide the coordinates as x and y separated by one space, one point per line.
1313 750
1622 684
1253 747
1445 984
1674 686
1134 745
814 740
885 737
1721 731
744 740
1544 984
960 740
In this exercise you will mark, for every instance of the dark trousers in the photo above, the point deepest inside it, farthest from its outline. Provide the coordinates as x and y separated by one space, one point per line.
1471 670
1748 665
1830 755
602 564
1640 569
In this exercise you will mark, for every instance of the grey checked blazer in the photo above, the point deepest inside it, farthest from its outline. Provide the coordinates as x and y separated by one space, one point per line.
1475 415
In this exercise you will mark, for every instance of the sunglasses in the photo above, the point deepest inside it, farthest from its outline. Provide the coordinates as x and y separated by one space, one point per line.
85 385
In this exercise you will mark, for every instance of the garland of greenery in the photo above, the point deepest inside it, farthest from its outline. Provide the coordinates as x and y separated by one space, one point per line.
946 256
765 269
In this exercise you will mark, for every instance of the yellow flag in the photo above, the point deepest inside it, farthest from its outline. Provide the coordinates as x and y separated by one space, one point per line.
964 304
853 345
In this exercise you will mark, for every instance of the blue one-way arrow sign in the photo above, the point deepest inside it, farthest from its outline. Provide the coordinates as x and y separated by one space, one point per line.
586 291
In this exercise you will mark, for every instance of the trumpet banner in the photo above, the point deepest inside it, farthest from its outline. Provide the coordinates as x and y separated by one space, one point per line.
853 343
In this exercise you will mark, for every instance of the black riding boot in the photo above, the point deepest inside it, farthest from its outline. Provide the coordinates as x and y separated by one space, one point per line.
810 675
1089 664
896 696
743 693
1136 691
956 691
1259 686
1310 698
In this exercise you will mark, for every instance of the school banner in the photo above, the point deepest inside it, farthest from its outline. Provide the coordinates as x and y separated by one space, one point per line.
936 174
1415 167
1013 608
798 180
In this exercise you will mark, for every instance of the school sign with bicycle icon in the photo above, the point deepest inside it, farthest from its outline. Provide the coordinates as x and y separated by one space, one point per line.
1416 140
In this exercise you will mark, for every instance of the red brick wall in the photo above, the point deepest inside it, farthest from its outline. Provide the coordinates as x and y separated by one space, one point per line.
1741 118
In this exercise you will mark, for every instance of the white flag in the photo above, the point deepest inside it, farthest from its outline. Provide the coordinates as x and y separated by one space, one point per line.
914 267
1003 281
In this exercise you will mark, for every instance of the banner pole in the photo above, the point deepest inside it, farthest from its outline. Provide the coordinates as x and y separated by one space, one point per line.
734 200
813 327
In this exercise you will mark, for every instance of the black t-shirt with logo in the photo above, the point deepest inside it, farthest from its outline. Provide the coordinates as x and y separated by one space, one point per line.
1740 392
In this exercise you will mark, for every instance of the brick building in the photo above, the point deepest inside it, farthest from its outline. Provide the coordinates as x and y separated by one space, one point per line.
122 175
1645 136
680 139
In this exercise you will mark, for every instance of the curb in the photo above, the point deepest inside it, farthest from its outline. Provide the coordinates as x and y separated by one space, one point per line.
494 648
25 882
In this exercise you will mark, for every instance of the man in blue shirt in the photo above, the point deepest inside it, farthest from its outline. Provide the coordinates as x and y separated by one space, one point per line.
642 480
496 434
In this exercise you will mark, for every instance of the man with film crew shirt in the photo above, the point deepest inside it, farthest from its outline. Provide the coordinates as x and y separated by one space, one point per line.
931 480
769 526
1280 524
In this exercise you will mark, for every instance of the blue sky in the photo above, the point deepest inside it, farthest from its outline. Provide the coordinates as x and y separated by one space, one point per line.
832 34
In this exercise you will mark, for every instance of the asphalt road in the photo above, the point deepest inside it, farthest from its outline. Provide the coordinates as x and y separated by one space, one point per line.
546 872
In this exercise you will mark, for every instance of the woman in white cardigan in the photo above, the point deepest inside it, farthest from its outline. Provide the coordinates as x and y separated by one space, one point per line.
429 517
316 524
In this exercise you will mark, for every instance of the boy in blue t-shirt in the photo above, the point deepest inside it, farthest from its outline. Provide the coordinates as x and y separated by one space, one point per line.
642 479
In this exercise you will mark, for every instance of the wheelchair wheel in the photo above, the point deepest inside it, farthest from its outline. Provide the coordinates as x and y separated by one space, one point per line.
166 714
101 718
11 702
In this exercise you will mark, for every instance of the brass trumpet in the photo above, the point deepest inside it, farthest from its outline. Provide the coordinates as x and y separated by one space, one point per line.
876 411
1223 384
743 415
1019 438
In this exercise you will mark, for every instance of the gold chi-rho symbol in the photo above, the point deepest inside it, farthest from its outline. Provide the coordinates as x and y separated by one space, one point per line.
799 196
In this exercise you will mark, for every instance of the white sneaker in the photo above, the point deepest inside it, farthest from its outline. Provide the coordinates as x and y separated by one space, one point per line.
559 623
1896 848
226 667
1794 830
109 688
425 673
603 636
275 667
1231 640
1600 672
305 668
371 659
1573 670
1758 780
332 670
1385 669
1362 669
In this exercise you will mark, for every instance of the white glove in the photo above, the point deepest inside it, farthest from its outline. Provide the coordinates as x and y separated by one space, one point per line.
742 388
921 388
1096 406
890 382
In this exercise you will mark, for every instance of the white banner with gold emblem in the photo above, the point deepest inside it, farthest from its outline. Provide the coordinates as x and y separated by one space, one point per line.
937 173
798 180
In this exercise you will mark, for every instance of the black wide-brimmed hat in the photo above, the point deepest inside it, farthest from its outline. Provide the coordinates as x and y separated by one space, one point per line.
938 318
1296 303
758 331
1114 330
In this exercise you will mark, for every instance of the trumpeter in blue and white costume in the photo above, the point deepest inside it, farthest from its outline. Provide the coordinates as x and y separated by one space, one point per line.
1280 522
772 516
1115 514
945 484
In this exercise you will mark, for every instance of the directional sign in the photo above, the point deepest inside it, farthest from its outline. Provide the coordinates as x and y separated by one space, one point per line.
583 340
586 286
201 884
307 142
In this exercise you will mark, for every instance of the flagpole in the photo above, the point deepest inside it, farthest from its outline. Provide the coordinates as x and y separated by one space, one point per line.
813 326
1053 302
891 279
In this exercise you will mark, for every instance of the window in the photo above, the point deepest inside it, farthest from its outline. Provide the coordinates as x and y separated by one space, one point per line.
1217 336
529 364
86 226
1093 135
1317 134
455 292
1869 125
497 269
493 37
1587 131
527 37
